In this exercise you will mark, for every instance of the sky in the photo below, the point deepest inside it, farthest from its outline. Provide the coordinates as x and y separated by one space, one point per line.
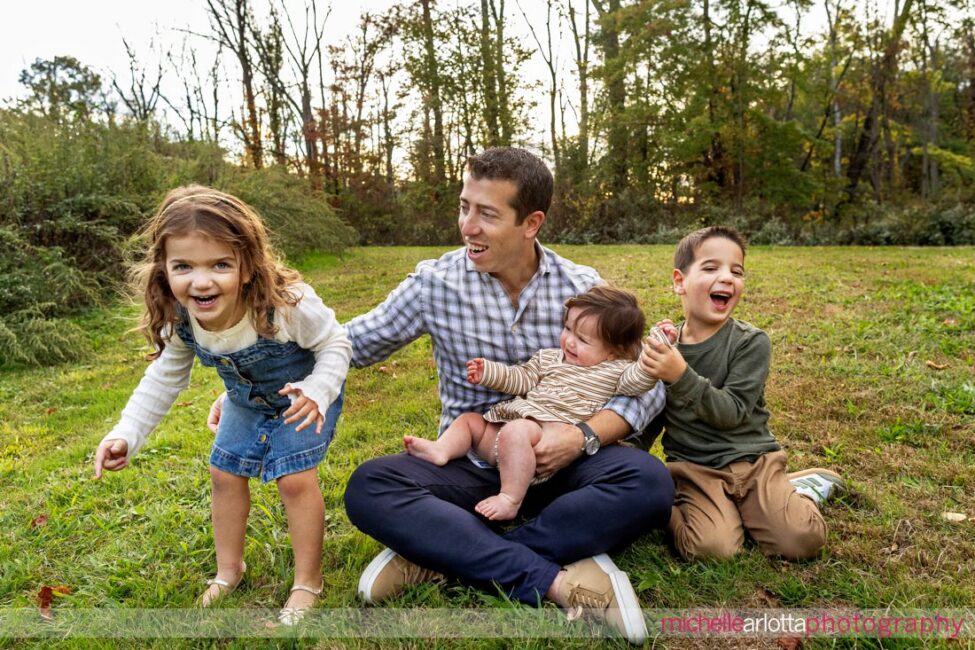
92 30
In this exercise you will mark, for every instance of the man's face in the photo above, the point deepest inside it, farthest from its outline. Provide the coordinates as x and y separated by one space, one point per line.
495 243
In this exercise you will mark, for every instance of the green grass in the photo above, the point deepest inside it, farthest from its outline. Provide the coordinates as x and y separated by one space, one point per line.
851 387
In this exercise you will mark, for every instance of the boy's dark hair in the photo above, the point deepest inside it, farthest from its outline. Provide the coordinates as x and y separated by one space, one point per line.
687 247
526 170
619 321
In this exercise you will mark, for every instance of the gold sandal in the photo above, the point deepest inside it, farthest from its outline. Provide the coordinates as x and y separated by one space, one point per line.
293 615
224 588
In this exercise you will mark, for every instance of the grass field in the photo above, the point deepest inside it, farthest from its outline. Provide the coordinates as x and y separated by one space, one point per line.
873 375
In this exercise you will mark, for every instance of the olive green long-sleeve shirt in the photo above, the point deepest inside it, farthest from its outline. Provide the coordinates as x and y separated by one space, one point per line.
716 411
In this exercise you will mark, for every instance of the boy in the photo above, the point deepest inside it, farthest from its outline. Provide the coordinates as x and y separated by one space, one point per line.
728 470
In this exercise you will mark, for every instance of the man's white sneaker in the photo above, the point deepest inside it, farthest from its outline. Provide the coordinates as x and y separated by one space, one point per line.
389 573
597 588
818 484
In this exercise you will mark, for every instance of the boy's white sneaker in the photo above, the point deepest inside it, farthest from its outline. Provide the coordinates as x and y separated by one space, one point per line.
818 484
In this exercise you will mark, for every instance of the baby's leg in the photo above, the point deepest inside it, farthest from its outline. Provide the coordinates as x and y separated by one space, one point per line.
303 502
462 434
230 506
516 463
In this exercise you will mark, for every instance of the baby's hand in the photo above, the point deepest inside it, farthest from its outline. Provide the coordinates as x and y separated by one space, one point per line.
669 329
302 407
475 371
111 455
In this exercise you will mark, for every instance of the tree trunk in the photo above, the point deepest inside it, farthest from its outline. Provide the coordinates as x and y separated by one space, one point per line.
884 73
433 99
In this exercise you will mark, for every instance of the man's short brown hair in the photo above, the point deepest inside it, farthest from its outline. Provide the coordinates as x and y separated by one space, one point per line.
619 321
687 247
526 170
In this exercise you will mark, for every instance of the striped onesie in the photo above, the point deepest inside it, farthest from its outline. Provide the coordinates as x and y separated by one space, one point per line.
556 391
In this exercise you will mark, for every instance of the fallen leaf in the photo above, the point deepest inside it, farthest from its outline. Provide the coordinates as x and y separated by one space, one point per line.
789 642
184 404
49 410
767 597
935 366
911 354
39 520
949 321
44 598
384 369
956 517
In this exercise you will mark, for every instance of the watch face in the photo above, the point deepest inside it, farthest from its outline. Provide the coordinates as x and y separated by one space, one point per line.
592 445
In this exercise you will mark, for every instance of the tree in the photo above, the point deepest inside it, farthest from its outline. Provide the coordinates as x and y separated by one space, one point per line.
231 23
63 87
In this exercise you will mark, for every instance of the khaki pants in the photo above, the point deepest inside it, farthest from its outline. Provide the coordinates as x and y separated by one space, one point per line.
714 508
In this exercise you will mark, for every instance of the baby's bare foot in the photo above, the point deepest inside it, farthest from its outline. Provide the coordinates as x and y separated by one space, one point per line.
424 449
498 508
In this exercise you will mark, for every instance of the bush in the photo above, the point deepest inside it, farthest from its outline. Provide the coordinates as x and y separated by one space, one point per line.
36 285
299 222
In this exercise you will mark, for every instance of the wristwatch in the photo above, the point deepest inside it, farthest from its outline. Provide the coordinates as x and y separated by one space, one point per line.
591 443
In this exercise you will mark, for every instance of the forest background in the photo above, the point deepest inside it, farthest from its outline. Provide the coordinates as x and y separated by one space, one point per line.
656 116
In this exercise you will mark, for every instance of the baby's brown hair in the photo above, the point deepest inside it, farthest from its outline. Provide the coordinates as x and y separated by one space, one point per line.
619 321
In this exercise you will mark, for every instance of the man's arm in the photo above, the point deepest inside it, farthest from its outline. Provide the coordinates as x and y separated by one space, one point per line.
389 326
561 443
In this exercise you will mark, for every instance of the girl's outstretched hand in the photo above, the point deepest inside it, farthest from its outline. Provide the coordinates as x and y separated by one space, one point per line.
111 455
302 407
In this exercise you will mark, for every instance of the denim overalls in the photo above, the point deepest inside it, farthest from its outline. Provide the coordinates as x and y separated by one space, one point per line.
252 438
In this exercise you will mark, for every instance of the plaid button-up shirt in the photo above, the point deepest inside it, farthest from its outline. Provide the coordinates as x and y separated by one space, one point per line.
468 314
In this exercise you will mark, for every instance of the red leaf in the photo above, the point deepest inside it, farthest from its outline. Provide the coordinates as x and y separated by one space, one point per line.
49 410
39 520
44 598
64 590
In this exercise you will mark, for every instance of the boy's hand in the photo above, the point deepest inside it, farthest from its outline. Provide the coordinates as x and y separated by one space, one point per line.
662 361
111 455
669 329
214 418
475 370
302 407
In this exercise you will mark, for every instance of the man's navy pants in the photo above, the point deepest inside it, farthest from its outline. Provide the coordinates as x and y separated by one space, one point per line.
426 514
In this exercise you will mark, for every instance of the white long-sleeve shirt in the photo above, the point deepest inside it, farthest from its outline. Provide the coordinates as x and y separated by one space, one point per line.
310 324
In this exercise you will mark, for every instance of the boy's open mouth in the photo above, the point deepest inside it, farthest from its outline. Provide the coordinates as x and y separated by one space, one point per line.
720 299
476 248
204 300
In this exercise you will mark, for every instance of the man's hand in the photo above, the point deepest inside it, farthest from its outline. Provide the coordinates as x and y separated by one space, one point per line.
111 455
662 361
302 407
561 444
475 371
214 418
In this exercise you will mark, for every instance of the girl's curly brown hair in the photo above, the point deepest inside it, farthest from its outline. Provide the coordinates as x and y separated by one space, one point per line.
195 209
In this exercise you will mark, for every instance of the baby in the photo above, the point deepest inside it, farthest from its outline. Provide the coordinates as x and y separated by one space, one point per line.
595 360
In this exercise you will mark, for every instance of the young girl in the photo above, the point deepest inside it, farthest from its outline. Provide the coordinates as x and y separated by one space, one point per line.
214 290
602 330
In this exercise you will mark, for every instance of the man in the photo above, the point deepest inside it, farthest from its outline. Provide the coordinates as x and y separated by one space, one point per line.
500 297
